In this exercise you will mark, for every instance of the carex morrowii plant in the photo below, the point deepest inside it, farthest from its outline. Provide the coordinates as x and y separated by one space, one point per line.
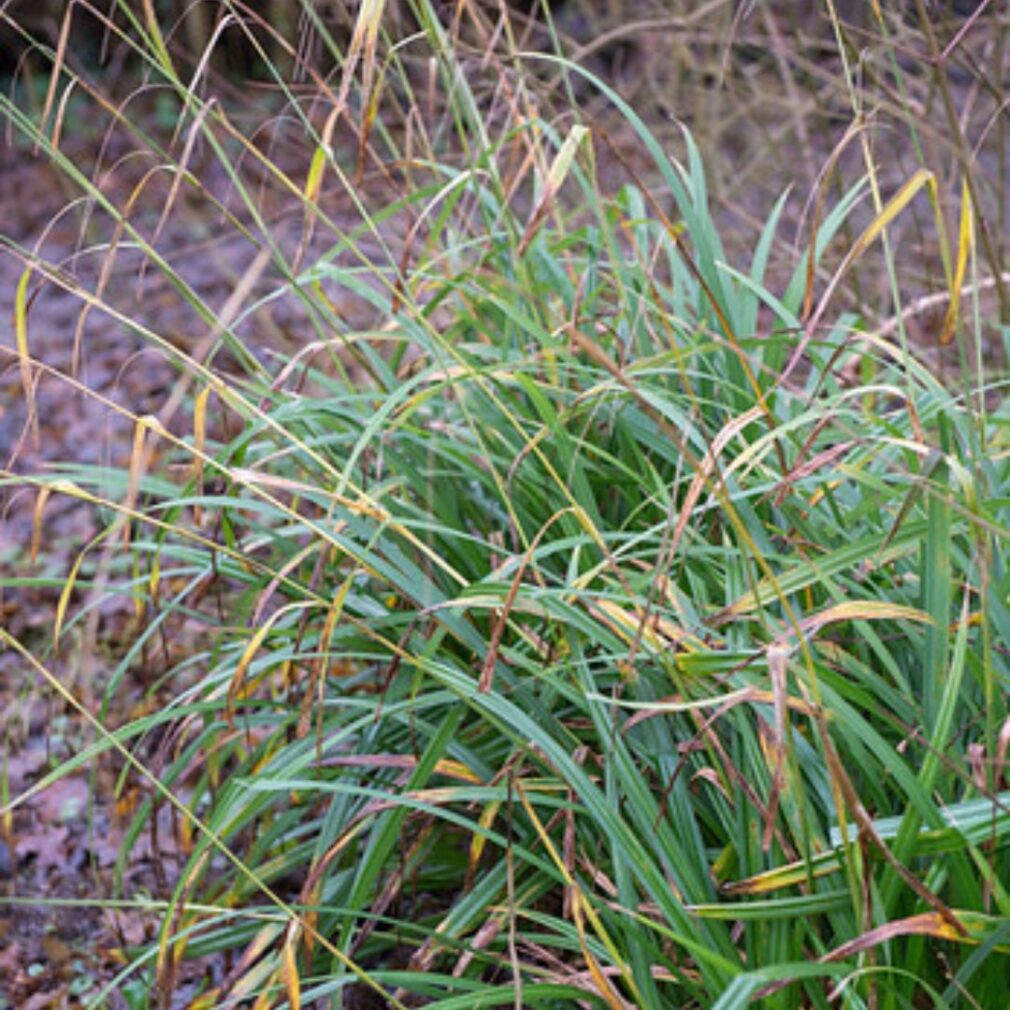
543 606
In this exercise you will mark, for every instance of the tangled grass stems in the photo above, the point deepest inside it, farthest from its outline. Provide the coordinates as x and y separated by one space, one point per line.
564 637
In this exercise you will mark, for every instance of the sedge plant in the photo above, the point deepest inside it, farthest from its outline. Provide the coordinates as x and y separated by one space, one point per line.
585 616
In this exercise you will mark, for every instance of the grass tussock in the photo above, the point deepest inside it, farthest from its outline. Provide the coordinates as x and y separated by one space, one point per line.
544 601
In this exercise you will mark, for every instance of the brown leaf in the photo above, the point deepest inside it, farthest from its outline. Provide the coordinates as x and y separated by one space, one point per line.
57 952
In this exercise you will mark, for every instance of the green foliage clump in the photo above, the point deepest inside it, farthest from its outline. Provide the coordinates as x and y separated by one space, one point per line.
598 622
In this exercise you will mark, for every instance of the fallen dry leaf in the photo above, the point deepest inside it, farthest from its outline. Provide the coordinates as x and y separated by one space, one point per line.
47 846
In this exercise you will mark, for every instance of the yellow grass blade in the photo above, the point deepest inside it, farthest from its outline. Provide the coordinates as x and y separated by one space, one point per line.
965 243
889 212
322 666
556 176
479 841
314 179
580 908
977 928
199 441
603 984
135 474
236 686
24 360
863 610
64 600
290 970
40 504
873 230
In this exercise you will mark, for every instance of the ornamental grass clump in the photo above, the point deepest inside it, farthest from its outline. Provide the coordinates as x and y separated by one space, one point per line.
576 614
